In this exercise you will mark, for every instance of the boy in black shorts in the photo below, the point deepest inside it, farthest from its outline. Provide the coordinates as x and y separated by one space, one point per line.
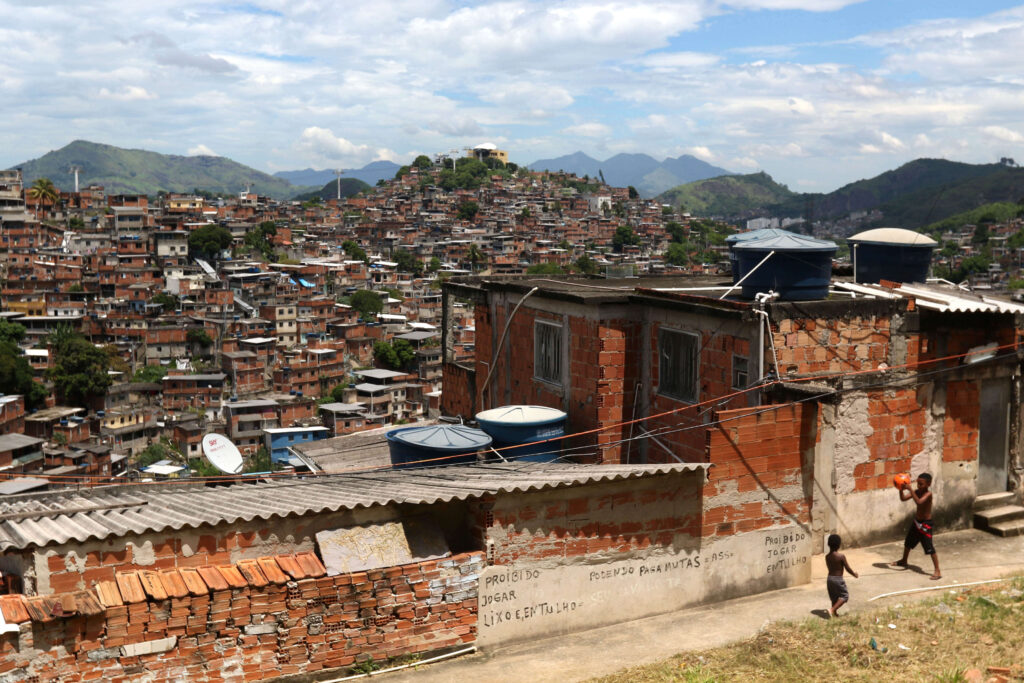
921 529
836 563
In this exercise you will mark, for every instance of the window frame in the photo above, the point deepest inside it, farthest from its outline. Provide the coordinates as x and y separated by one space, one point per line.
746 371
695 381
557 378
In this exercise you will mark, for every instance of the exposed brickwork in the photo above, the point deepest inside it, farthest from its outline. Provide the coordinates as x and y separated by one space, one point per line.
832 345
251 633
898 423
459 395
758 465
594 521
960 428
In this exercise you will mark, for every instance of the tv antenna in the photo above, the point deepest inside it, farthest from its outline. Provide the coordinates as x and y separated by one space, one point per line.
75 170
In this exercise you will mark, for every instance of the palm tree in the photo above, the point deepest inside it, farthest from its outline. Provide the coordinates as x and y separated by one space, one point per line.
43 191
474 255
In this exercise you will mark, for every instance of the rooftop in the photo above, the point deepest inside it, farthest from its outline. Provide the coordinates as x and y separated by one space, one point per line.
35 520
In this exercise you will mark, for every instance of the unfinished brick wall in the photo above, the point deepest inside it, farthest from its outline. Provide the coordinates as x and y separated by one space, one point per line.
599 521
898 422
759 477
459 395
960 429
832 345
250 622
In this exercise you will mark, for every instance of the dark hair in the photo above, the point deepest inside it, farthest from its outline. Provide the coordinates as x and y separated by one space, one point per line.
834 541
927 477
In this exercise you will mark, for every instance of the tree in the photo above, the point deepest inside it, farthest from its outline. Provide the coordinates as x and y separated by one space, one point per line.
564 245
76 223
353 250
15 370
368 303
401 172
80 369
468 210
407 263
208 241
434 265
165 299
150 374
259 238
43 191
474 255
586 265
633 194
677 254
397 355
422 162
624 236
198 336
676 231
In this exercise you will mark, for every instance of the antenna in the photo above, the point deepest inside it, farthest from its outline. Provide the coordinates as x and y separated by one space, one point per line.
338 173
75 170
222 454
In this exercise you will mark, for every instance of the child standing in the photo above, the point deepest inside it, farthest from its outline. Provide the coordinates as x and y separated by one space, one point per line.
921 529
836 563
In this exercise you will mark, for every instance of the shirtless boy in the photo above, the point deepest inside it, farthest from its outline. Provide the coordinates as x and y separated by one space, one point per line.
836 584
921 529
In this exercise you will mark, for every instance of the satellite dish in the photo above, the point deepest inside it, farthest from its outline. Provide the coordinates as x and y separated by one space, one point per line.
222 454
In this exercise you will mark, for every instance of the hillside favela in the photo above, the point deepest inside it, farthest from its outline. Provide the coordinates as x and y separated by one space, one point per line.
532 342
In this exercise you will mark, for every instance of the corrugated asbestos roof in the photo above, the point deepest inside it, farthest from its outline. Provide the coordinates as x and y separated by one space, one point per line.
935 298
60 517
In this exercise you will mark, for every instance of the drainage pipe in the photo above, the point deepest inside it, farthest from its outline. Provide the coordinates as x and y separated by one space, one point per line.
501 343
935 588
438 658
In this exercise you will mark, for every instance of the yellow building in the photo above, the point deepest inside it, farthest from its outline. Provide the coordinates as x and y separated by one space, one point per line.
488 151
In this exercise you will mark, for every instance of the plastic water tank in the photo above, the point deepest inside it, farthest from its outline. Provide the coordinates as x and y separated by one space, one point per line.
891 254
435 445
738 237
800 268
515 425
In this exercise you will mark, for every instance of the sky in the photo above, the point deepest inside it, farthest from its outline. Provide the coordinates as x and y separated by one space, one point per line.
817 93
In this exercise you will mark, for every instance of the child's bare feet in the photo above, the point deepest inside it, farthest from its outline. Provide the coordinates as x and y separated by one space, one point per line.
936 576
899 563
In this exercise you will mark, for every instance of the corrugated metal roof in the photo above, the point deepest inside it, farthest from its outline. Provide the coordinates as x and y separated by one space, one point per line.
936 298
29 521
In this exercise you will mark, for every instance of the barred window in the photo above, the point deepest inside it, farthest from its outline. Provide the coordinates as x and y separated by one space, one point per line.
740 377
547 351
677 364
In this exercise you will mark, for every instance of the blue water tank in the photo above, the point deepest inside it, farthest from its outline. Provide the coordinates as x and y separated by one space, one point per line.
799 269
515 425
435 445
738 237
891 254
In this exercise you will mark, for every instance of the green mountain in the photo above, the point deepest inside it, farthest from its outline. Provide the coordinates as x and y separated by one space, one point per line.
1000 212
728 196
136 171
349 187
915 194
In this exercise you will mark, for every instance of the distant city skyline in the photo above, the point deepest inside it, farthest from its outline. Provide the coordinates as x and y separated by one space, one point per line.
818 93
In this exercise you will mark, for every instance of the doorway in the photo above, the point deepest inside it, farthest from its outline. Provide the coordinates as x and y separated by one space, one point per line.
994 436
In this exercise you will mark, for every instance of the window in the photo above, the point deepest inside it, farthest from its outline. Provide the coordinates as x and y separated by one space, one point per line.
677 364
547 351
740 378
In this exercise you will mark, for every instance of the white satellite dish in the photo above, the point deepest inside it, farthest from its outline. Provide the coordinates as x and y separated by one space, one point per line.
222 454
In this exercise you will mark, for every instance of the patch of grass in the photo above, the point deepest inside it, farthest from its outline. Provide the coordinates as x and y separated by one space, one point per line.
942 637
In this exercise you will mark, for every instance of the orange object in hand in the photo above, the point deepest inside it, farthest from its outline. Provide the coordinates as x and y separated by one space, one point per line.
901 480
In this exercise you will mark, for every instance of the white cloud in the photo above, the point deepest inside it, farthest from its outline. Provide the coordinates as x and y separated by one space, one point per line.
589 130
323 145
1003 134
126 94
201 150
701 152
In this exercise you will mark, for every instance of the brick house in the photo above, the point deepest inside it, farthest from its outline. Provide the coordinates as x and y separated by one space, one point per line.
654 373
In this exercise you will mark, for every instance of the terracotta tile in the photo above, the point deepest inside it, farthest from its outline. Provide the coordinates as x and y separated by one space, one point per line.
251 571
152 584
13 608
130 586
193 581
310 563
291 566
108 594
173 584
42 608
233 576
213 578
87 603
272 570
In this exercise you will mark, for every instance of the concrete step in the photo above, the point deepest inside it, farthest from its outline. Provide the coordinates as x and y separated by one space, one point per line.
1012 528
992 500
1005 513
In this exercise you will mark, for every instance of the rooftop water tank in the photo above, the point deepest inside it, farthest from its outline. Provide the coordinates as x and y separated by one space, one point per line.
515 425
738 237
799 268
435 445
891 254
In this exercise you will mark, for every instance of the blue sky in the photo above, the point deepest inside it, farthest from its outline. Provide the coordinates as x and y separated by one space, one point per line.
817 93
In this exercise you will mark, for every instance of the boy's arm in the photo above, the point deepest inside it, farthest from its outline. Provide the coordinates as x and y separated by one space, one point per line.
906 493
846 564
919 499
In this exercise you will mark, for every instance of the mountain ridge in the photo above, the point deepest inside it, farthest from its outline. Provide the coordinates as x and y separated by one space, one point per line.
648 175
